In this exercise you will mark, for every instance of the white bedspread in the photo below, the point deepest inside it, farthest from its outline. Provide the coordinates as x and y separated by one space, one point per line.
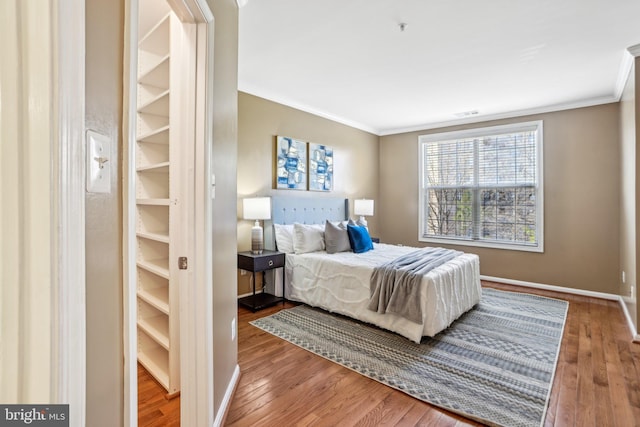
340 283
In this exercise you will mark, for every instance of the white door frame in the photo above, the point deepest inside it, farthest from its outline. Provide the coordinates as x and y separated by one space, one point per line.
196 304
68 327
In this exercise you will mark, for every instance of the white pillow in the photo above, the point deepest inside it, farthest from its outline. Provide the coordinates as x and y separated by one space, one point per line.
284 237
308 238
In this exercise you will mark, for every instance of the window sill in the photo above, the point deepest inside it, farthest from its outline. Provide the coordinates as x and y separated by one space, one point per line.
482 244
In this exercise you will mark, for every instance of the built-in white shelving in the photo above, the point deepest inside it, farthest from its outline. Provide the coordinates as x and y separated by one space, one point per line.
158 323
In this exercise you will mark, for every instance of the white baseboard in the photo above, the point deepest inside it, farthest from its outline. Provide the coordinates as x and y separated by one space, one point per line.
228 395
554 288
582 292
632 327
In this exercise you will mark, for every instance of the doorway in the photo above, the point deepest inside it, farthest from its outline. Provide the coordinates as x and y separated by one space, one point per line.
168 77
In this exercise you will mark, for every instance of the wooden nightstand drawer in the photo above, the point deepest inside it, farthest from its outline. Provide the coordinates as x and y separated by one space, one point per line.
267 260
260 262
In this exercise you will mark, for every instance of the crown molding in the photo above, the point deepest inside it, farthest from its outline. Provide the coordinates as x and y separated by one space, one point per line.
428 126
506 115
626 64
255 91
634 50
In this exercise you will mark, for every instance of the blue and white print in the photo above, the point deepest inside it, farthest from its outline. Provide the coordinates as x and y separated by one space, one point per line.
291 164
320 167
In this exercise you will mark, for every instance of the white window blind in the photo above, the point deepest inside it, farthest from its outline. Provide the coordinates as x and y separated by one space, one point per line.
483 187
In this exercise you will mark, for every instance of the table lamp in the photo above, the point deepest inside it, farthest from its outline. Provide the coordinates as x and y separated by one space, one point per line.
257 208
363 207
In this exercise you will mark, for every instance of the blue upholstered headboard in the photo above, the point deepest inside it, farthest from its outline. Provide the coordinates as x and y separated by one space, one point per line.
288 210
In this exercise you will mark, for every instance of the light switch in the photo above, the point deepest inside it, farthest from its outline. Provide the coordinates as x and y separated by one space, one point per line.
98 166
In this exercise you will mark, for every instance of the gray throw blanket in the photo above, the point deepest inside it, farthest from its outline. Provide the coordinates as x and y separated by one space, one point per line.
395 285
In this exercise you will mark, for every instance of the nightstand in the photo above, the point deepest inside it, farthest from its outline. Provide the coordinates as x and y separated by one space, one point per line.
255 263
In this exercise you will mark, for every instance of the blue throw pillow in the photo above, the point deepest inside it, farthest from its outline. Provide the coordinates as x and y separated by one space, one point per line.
359 238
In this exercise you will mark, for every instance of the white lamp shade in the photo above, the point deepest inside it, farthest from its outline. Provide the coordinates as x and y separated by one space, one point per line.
363 207
256 208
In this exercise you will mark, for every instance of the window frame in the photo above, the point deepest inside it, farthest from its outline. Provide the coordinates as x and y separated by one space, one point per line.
423 140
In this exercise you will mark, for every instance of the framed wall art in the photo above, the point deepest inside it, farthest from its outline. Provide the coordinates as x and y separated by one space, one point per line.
320 167
291 163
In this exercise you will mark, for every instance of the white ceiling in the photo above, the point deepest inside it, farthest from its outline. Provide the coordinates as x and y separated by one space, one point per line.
348 60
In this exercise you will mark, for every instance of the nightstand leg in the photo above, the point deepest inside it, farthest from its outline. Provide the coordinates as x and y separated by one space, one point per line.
253 276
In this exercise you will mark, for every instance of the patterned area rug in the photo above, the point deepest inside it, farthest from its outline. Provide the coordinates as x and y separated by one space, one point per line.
495 364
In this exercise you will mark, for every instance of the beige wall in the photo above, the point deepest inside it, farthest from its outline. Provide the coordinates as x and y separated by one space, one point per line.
628 163
582 201
260 121
581 176
105 366
225 137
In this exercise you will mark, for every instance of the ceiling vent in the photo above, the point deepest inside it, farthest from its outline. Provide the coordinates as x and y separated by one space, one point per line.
466 114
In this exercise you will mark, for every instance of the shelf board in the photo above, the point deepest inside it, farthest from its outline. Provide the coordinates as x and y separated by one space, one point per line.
158 74
156 297
157 168
157 36
158 106
157 136
158 237
156 361
154 202
157 328
150 123
156 266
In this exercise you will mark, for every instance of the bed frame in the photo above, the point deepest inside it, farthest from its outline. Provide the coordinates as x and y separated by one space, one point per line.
462 275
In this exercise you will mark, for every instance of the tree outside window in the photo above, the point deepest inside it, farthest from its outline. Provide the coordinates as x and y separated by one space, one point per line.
483 187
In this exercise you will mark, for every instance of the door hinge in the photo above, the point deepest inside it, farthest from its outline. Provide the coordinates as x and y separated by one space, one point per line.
182 263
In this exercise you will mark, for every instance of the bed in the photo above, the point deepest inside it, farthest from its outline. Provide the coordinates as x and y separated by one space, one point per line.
340 282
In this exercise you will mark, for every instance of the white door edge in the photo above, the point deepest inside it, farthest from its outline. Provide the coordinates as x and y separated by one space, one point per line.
128 212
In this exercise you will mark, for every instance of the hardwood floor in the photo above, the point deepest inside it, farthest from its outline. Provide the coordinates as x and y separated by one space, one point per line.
154 410
597 381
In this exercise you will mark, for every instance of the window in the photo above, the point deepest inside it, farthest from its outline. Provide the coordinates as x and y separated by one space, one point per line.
483 187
